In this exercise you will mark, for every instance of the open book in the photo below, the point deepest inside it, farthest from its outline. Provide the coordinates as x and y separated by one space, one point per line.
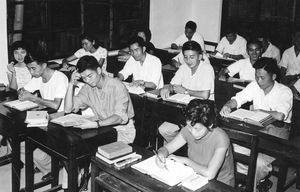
21 105
258 118
71 120
134 89
181 98
172 175
36 118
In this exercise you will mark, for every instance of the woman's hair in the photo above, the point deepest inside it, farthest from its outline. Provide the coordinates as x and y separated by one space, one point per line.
202 111
19 45
89 37
87 62
191 45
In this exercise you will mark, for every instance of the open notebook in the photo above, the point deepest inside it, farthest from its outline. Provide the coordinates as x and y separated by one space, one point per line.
181 98
172 175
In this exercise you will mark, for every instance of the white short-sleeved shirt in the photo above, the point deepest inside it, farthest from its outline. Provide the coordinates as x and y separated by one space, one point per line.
56 87
23 76
272 52
244 68
202 80
279 99
290 61
149 71
238 47
196 37
98 54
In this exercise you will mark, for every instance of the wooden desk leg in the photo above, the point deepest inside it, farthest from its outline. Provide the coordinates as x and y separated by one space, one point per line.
72 175
298 178
15 168
94 173
54 171
29 173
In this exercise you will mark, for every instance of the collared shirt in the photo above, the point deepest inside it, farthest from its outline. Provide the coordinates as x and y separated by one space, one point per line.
279 99
196 37
244 68
149 71
98 54
238 47
179 57
56 87
112 98
290 61
202 80
272 52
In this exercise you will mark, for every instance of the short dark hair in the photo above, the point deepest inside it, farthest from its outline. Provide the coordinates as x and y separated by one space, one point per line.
202 111
254 41
87 62
191 25
91 37
268 64
138 40
146 31
191 45
38 57
19 45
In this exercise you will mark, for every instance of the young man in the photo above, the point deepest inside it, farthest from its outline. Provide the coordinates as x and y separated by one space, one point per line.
232 45
107 97
268 96
145 68
190 34
290 66
244 67
268 49
195 78
52 85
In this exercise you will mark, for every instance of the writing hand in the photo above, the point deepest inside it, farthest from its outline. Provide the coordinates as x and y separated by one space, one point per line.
25 95
164 93
225 111
160 159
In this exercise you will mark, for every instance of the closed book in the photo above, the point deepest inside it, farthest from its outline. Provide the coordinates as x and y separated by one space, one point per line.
258 118
36 117
113 150
117 159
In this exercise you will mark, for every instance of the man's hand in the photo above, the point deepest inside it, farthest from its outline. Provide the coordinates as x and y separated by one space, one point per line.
225 111
74 77
25 95
138 83
179 89
164 93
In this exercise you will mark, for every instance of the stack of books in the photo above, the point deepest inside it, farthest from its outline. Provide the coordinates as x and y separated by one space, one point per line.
117 153
36 118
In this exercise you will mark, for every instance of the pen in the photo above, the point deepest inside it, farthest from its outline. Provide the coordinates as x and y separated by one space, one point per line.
165 165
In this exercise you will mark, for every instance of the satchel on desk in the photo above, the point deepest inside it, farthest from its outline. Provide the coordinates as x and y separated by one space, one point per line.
258 118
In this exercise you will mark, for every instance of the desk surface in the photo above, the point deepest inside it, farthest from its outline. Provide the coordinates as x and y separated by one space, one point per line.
144 182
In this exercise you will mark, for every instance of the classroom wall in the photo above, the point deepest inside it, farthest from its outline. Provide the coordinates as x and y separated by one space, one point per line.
3 43
168 18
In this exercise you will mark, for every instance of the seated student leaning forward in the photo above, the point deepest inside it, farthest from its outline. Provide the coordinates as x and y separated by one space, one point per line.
107 97
268 96
209 151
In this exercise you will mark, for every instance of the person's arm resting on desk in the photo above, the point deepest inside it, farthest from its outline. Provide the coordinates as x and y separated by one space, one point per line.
201 94
226 109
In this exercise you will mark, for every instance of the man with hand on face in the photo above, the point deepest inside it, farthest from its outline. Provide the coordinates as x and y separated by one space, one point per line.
195 78
107 97
145 68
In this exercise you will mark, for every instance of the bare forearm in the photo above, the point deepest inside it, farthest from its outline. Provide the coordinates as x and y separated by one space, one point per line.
150 85
200 94
276 115
13 81
45 102
111 120
69 99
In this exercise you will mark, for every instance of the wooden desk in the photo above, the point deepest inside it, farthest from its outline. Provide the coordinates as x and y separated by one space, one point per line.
141 182
67 144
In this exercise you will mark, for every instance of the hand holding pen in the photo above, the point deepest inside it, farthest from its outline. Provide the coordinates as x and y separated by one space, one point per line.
160 159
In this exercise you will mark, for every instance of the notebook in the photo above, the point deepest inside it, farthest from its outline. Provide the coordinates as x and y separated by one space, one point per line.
21 105
115 149
258 118
71 120
181 98
174 174
134 89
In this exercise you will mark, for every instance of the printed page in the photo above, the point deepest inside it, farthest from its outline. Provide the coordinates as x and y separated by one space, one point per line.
181 98
71 120
21 105
172 175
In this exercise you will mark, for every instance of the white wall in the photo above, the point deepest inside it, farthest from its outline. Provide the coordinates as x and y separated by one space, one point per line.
3 43
168 18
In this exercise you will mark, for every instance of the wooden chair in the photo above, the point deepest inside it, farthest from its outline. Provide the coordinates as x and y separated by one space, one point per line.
248 141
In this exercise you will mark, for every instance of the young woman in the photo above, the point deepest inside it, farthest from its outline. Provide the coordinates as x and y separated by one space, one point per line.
18 74
89 47
209 150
